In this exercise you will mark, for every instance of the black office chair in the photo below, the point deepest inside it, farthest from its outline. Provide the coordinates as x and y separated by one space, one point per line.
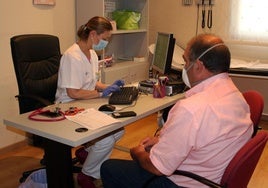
36 59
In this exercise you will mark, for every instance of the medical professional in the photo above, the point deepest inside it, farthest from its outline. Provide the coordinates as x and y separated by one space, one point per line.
78 78
202 133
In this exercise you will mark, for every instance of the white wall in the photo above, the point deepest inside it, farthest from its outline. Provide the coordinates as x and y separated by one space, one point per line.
22 17
182 20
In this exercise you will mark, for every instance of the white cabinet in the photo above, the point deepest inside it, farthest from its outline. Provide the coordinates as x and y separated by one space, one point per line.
124 45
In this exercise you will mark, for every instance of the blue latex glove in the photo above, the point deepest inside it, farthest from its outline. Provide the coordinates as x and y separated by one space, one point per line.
110 89
119 83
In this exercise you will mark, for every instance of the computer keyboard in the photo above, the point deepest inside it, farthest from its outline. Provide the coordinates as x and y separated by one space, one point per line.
126 95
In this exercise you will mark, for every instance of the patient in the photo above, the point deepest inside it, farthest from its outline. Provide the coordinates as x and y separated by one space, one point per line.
202 132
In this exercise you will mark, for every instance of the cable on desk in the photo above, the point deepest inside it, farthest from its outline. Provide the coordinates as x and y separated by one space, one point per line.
132 105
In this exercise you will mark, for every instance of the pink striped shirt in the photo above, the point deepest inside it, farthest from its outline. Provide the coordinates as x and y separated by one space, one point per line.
203 131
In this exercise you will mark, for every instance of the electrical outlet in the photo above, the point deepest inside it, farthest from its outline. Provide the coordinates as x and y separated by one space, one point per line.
206 2
187 2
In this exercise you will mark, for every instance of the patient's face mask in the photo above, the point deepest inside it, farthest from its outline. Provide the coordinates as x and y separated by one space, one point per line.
185 78
101 45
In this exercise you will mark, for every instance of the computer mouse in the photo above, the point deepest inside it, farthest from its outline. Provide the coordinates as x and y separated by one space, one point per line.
107 108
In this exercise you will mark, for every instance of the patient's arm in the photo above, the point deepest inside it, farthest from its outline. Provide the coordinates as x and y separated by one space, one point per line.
140 153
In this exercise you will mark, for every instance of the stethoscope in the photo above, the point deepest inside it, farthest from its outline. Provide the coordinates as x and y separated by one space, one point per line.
58 115
209 18
35 115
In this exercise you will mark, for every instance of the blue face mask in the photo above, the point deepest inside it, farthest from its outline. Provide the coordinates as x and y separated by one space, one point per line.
101 45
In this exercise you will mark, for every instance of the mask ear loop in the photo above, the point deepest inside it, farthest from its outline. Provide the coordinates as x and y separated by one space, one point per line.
207 50
191 65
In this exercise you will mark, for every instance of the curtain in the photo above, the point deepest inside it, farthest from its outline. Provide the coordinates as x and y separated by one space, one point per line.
249 21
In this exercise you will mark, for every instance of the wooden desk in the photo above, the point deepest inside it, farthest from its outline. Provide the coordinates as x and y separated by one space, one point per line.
61 135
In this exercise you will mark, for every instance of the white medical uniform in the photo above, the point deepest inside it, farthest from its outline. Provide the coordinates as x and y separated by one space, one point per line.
78 73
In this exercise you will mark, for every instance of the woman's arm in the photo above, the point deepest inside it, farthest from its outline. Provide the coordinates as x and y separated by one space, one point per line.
82 93
100 86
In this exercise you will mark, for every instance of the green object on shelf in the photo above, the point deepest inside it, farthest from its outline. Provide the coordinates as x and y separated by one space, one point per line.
126 19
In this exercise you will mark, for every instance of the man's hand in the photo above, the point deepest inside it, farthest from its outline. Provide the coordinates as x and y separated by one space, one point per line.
149 142
135 151
142 156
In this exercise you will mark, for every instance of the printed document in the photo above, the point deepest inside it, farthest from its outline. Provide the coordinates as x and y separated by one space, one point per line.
92 119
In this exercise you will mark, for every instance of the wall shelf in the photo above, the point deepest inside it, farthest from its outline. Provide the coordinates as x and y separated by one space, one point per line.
124 44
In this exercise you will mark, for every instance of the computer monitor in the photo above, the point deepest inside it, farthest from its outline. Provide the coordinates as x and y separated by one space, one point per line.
163 53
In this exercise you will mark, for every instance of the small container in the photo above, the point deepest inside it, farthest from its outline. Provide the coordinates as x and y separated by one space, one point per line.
159 91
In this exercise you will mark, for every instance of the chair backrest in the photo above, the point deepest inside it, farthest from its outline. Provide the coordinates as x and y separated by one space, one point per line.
241 167
256 103
36 59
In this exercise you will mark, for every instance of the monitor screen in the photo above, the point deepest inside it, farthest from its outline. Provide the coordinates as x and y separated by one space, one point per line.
163 53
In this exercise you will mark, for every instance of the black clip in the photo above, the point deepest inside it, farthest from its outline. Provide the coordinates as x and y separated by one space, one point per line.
209 19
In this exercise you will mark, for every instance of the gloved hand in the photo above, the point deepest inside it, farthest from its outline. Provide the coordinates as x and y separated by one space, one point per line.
119 83
110 89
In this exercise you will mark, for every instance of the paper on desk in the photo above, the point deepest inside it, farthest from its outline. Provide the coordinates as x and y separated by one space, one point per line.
92 119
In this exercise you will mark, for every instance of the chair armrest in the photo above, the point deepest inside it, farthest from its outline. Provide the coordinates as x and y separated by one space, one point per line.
198 178
41 100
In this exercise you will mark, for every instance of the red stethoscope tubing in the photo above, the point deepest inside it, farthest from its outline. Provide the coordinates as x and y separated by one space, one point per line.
33 115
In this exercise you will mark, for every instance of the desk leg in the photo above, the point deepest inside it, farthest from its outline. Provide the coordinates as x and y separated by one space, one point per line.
58 165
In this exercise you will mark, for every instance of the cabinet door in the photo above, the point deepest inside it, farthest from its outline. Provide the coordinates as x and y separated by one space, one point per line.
127 46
